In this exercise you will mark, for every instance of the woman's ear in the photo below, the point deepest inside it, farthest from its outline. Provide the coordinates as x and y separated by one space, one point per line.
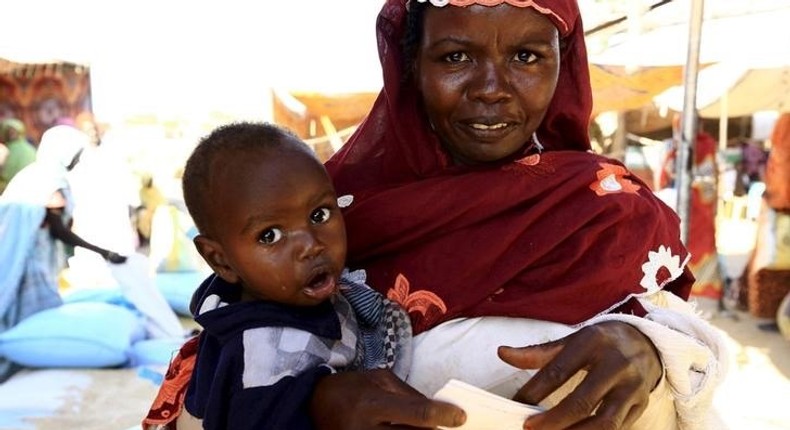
214 254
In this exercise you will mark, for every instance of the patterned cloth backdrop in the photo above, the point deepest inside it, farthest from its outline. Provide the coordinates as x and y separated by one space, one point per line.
41 94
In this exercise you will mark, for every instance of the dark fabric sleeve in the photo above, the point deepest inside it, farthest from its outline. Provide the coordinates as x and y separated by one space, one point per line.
284 405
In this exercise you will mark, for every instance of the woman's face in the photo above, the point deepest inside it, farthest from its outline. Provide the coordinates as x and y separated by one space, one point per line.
487 76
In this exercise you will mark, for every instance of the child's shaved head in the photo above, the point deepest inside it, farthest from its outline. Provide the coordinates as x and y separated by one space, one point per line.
227 140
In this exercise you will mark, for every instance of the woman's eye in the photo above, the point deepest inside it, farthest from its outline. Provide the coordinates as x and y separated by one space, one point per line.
320 215
456 57
270 236
526 57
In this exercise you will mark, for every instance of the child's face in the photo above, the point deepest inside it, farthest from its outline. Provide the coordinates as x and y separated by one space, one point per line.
278 229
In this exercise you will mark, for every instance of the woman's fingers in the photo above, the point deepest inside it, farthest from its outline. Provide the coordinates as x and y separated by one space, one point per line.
421 413
557 364
377 400
621 368
597 403
610 414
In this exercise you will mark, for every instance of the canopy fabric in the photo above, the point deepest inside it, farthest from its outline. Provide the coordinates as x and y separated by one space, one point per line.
745 42
734 90
756 90
617 89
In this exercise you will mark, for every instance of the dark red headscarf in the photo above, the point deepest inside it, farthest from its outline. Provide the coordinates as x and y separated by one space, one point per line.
559 236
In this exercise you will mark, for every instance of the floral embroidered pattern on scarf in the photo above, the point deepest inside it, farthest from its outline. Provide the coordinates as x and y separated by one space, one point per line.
611 180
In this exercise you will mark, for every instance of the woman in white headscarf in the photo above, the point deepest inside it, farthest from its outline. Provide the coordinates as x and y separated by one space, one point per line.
35 211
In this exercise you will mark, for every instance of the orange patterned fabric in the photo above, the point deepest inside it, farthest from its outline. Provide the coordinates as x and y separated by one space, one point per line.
170 398
563 26
41 95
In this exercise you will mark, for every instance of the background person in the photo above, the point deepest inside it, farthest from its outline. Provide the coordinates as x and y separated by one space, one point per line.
34 220
104 191
3 155
20 151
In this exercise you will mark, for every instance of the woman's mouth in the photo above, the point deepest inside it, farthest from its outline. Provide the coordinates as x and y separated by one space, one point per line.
478 126
487 131
321 285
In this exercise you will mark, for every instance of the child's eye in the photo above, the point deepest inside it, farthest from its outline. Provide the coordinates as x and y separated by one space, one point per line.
270 236
320 215
526 57
456 57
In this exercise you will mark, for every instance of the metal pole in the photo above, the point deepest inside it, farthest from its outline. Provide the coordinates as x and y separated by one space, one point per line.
724 118
688 124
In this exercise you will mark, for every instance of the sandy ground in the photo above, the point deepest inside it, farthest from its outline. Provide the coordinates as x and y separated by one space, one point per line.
49 399
754 395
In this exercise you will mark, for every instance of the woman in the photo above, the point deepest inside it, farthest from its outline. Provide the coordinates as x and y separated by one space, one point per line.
704 261
34 211
477 207
461 216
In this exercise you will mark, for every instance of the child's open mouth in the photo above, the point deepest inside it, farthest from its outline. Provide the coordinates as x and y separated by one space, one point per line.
321 286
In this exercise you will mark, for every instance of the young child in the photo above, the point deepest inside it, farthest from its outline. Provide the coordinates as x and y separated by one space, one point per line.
271 229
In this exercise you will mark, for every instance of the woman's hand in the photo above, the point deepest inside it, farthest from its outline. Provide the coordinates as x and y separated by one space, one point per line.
622 368
377 399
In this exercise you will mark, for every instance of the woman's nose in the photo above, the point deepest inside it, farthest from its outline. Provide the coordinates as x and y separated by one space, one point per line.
490 84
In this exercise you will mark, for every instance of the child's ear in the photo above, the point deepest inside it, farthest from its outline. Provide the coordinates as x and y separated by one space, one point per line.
212 252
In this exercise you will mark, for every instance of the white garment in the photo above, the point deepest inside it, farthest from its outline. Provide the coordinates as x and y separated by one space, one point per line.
38 181
101 186
692 351
138 284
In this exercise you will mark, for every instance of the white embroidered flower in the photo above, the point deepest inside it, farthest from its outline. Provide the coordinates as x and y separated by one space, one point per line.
656 260
610 183
345 201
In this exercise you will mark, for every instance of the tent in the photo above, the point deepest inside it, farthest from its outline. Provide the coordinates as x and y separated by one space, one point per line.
727 90
743 43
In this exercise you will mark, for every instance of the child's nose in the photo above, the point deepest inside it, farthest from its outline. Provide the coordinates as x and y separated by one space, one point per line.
310 246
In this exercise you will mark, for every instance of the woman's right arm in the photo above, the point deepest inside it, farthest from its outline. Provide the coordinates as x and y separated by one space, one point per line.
377 399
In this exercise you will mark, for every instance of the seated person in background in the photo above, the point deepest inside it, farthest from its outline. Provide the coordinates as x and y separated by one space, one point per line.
35 214
20 151
271 230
